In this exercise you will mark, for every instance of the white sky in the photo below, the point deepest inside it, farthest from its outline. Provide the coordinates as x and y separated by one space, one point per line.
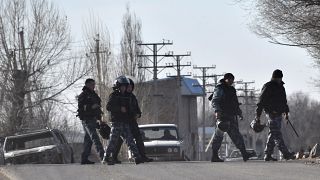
216 32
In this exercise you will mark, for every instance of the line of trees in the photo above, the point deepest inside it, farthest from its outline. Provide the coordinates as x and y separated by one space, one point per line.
305 116
37 65
290 23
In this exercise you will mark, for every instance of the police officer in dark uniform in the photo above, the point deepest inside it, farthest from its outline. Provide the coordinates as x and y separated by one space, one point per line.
119 107
273 101
89 104
226 107
135 113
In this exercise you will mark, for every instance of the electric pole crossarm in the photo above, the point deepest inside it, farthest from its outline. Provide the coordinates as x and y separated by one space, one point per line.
150 44
150 55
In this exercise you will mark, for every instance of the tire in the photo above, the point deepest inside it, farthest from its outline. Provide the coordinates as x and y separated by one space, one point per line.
2 159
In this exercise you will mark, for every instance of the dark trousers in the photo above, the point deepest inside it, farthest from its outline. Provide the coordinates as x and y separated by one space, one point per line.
275 136
234 134
134 127
91 137
121 130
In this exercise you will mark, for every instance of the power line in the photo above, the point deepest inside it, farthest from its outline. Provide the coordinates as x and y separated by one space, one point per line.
155 48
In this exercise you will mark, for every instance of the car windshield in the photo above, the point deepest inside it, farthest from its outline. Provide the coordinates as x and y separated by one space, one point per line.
29 141
159 133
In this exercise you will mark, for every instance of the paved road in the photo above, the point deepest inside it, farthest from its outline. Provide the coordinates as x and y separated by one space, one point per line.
252 170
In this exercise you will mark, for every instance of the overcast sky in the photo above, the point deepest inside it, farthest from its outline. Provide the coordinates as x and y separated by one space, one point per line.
216 32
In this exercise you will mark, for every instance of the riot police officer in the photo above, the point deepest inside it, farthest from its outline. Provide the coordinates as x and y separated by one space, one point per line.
273 101
89 112
135 113
119 107
226 107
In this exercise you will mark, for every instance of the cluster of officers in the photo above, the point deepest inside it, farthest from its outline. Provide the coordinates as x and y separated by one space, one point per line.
124 110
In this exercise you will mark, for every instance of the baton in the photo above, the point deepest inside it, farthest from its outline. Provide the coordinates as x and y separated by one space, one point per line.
208 145
288 121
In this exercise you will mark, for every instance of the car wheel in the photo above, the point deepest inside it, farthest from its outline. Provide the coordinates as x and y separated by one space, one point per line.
2 160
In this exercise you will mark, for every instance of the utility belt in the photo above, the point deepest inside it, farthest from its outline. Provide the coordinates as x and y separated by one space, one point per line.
274 114
227 117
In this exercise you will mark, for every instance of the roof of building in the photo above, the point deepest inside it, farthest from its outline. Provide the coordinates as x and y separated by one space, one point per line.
190 86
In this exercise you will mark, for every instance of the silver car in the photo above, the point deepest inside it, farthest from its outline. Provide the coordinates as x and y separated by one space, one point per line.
162 142
47 146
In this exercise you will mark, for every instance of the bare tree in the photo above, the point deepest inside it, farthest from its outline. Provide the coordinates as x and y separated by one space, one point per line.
129 58
290 22
35 66
304 114
98 46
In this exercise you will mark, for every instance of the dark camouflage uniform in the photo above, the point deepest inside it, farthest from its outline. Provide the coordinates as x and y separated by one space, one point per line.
134 127
120 124
225 101
121 130
275 136
233 133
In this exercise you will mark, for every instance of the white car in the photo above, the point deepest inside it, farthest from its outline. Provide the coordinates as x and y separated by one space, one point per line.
162 142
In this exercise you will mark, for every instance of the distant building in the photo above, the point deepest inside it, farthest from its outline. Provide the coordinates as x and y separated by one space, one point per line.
172 101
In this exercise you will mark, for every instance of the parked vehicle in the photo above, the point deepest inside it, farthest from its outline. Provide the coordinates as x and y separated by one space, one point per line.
162 142
46 146
1 151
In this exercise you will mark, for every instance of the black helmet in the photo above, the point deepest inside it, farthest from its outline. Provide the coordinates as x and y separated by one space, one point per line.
256 126
223 125
104 130
131 83
121 80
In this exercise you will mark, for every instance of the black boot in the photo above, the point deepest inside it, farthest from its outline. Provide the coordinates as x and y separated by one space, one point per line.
86 162
146 159
245 155
116 160
138 160
289 156
215 157
107 160
268 157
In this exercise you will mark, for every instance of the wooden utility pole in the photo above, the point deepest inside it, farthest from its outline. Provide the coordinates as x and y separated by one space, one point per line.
204 78
155 48
246 104
25 68
178 67
97 53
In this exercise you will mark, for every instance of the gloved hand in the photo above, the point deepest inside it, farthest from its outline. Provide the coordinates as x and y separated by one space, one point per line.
98 123
137 116
240 117
218 115
257 118
286 116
